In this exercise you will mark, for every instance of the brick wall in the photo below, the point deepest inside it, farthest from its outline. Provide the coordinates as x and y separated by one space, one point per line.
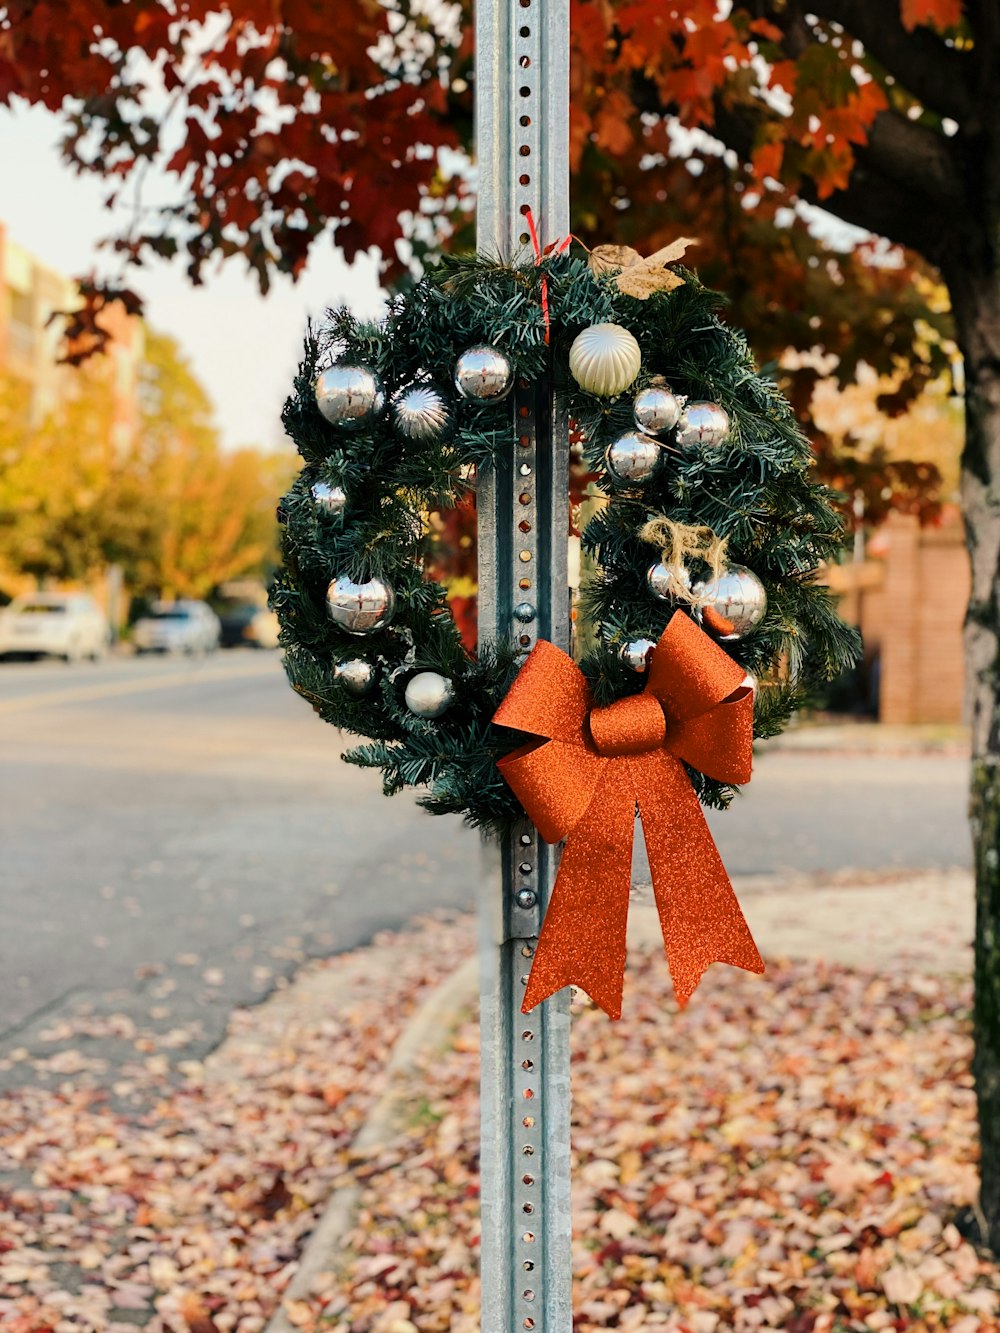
926 591
910 606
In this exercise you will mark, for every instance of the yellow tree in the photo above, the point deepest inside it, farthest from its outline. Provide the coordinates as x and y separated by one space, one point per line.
213 511
58 479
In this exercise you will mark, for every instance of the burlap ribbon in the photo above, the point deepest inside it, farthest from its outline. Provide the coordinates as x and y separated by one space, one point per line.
583 780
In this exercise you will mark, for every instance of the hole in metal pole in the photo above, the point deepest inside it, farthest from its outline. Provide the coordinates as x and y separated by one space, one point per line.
525 497
525 867
524 525
528 1150
528 1295
525 32
524 557
529 1093
524 584
524 180
527 1208
529 1323
525 62
525 839
529 1123
529 1066
525 91
524 238
528 1180
525 469
528 1236
527 1035
525 121
528 1266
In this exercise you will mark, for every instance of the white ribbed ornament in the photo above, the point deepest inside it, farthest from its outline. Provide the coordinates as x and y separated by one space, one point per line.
604 359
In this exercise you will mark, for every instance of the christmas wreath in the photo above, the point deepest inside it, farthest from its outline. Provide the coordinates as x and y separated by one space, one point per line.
710 509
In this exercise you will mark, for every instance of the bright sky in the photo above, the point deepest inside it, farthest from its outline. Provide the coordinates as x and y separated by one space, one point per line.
243 347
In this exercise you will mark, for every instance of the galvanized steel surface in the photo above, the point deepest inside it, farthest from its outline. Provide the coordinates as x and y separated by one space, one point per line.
522 127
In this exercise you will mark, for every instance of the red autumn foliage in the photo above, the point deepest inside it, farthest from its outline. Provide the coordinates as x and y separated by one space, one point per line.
278 124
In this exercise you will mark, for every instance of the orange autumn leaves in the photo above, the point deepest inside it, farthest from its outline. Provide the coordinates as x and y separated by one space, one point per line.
285 120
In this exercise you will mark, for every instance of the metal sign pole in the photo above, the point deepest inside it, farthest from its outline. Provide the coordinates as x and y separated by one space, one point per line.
522 130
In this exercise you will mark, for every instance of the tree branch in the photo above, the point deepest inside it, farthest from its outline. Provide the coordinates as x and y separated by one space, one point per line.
876 199
920 160
939 76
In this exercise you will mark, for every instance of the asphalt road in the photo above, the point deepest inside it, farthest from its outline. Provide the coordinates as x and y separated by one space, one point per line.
176 836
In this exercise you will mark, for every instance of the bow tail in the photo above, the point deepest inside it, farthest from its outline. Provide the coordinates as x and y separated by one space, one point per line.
583 935
701 920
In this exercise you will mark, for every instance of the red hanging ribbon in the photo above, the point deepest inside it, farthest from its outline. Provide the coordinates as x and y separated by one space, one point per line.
583 780
556 248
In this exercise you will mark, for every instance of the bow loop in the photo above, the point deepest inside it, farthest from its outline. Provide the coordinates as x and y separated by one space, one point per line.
549 697
690 674
554 782
718 743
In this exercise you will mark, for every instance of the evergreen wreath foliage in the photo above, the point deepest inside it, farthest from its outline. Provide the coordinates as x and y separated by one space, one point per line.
754 490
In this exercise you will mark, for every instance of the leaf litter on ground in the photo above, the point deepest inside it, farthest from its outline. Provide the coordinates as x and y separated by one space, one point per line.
788 1153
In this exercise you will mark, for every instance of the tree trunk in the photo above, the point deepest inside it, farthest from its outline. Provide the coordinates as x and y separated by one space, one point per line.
975 293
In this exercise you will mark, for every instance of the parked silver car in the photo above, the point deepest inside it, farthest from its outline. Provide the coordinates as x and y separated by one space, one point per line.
177 627
55 624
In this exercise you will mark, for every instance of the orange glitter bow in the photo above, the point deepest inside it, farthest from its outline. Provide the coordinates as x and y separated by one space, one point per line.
583 781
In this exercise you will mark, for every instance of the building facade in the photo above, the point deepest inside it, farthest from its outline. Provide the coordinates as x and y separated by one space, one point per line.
31 297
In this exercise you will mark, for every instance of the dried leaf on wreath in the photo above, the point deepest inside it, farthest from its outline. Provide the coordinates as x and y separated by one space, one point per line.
605 258
640 277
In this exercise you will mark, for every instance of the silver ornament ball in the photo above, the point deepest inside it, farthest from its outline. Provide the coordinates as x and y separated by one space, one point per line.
738 596
656 409
633 458
331 499
360 608
421 413
483 374
637 652
667 583
525 612
429 694
702 424
355 675
349 396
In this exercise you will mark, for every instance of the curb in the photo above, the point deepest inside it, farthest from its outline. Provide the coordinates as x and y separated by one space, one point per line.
429 1027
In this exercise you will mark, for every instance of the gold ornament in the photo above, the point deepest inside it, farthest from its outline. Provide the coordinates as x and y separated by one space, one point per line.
604 359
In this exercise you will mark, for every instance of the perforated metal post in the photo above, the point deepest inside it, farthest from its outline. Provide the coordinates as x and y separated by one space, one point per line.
522 127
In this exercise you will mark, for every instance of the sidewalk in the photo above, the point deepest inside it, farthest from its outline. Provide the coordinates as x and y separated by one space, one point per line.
788 1153
834 732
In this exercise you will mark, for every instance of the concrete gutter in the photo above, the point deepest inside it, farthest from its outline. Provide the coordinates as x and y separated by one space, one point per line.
428 1030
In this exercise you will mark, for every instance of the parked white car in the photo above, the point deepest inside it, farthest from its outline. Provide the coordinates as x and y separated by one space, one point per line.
57 624
177 627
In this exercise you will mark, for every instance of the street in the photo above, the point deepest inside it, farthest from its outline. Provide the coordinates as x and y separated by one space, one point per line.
178 835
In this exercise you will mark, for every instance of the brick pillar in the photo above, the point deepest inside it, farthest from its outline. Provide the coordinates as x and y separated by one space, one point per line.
898 688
